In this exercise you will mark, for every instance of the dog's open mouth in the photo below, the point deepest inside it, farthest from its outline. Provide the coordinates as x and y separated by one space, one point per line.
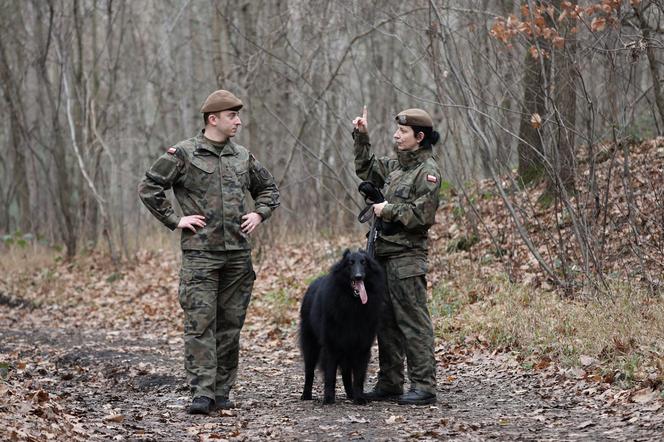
359 290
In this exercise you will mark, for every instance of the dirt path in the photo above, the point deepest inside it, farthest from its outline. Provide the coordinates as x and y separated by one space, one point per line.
126 385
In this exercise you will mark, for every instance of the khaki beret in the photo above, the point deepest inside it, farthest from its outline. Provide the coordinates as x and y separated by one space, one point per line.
414 117
220 100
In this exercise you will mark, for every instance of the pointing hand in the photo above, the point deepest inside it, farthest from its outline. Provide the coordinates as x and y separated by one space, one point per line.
360 123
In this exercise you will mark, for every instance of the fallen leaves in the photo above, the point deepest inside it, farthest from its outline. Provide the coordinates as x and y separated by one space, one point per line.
394 419
543 363
117 418
353 419
587 360
655 406
645 396
584 424
40 396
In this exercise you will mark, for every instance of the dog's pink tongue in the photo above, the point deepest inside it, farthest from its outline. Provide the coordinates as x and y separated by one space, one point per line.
359 287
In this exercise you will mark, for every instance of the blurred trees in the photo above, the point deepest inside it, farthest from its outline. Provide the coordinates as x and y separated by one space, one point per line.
93 91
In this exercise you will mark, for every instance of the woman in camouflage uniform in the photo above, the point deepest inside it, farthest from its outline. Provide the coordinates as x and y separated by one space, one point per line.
410 183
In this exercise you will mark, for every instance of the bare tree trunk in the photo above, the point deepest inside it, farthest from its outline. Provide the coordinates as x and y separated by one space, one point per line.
530 148
63 186
508 102
652 58
106 228
17 140
564 98
221 50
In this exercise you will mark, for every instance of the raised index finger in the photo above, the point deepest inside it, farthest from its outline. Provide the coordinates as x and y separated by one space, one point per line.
364 112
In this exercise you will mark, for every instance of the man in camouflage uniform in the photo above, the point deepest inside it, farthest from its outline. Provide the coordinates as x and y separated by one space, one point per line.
410 184
209 175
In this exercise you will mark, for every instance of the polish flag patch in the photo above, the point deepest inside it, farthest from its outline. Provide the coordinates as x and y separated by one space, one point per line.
432 179
171 150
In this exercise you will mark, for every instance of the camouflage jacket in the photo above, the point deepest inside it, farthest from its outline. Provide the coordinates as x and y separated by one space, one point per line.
209 181
410 184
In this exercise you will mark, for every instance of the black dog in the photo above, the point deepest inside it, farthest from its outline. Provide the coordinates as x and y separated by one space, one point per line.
338 321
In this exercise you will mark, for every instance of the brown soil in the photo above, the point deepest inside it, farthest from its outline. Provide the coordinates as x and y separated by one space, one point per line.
106 384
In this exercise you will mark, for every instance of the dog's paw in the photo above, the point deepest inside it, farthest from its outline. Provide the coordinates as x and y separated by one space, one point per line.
305 397
327 400
360 401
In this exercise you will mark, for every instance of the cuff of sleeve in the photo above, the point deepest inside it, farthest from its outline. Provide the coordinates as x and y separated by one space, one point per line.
264 212
388 212
172 221
361 137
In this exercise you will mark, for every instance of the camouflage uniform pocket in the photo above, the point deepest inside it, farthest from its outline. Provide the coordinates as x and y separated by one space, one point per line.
407 281
243 179
200 174
263 174
164 169
409 266
185 280
206 164
403 192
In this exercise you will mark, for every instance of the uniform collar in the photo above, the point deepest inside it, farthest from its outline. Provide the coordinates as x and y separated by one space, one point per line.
411 158
228 148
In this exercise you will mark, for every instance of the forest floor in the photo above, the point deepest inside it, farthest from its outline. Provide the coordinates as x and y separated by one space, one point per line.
90 350
92 355
123 385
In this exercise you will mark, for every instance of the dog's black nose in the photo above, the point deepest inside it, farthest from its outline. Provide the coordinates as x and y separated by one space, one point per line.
358 277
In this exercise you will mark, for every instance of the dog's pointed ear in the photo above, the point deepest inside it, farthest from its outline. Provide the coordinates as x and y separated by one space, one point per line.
346 253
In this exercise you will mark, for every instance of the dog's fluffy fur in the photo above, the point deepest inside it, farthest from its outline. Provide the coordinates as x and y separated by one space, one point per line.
338 322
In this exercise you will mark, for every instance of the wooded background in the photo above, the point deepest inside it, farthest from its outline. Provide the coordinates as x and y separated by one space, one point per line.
521 92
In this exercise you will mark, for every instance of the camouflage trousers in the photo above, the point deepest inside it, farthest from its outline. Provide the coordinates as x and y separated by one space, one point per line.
405 330
215 288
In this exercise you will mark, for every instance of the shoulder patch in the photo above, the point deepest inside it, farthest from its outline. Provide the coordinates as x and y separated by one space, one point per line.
432 178
171 150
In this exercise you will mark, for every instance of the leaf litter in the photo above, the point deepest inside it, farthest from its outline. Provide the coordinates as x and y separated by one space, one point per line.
93 352
83 368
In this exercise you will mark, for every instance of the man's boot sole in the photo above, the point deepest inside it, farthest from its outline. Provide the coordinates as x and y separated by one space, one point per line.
216 407
427 401
198 411
383 398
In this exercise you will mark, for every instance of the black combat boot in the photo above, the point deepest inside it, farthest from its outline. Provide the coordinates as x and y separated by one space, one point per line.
223 403
201 405
417 397
378 394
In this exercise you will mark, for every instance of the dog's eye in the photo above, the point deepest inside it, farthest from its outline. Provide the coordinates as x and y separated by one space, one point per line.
363 262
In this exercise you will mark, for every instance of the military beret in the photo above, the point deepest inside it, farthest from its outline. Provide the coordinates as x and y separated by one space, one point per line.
220 100
414 117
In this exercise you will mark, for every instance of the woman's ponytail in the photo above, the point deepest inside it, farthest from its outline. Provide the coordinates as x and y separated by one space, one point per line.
431 136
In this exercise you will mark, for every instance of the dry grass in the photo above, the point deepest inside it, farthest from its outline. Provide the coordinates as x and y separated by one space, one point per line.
33 255
623 333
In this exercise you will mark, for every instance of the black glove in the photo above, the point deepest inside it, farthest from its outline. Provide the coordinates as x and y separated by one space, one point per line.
372 195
